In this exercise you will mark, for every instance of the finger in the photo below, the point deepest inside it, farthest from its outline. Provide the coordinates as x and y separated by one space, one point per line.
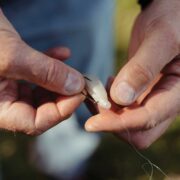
44 71
17 117
68 105
162 103
22 117
61 53
14 116
158 49
143 139
52 108
50 113
110 121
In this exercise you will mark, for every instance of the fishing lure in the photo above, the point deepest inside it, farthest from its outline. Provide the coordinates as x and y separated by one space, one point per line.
96 91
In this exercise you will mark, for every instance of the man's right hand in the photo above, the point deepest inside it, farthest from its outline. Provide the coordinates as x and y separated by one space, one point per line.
18 61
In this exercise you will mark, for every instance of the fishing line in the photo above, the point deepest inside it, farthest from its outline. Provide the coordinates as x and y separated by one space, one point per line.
149 162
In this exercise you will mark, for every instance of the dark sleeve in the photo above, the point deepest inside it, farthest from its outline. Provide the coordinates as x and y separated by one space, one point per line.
144 3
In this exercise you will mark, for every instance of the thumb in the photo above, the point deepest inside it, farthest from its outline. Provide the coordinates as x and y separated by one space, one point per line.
47 72
157 50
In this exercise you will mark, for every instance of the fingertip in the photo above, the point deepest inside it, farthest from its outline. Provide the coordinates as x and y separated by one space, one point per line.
89 127
101 122
61 53
92 125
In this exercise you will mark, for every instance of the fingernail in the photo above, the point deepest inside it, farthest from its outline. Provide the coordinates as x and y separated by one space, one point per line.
125 93
73 83
90 127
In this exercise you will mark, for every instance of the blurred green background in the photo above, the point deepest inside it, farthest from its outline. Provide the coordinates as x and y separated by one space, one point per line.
113 160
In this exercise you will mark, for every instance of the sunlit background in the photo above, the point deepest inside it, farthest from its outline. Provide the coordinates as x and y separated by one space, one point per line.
113 160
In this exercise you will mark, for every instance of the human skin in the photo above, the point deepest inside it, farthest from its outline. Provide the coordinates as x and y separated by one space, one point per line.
148 86
57 91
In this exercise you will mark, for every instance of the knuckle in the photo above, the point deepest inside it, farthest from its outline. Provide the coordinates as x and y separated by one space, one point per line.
143 74
52 74
164 27
48 75
151 121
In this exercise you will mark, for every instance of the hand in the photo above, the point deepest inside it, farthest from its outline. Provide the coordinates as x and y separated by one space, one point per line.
149 82
34 111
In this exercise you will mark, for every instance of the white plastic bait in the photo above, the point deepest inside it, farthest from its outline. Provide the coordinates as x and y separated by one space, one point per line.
96 90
